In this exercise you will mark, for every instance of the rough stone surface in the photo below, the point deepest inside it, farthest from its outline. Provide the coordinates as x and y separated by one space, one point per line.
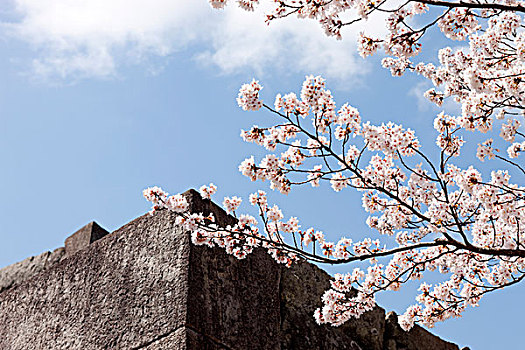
84 237
173 340
13 275
146 287
301 289
232 302
416 338
121 292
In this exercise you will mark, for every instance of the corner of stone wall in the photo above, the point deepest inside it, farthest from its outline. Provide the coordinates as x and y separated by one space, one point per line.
300 290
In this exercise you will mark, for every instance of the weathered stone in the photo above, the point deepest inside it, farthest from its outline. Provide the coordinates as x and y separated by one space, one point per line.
84 237
146 287
416 339
120 292
139 282
302 286
13 275
231 302
173 340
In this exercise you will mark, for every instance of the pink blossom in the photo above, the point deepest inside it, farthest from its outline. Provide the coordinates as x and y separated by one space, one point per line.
231 203
248 98
207 191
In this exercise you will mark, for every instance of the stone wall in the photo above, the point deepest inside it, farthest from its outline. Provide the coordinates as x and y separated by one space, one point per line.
145 286
13 275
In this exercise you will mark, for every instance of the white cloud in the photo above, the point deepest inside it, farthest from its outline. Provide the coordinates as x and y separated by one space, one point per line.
423 104
93 38
244 41
418 91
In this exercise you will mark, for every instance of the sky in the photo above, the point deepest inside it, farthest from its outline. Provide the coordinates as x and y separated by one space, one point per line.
101 99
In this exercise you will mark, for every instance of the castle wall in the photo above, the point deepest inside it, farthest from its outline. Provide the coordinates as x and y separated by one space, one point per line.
145 286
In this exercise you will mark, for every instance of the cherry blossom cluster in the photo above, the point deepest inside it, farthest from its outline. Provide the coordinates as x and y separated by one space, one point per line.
249 96
239 239
161 199
486 75
242 238
514 149
208 191
443 217
435 215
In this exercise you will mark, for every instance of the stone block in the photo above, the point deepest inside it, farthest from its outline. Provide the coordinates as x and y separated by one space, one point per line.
82 238
417 338
121 292
13 275
302 286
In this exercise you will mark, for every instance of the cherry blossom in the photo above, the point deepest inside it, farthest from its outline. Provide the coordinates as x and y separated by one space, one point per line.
231 204
451 220
441 213
208 191
248 98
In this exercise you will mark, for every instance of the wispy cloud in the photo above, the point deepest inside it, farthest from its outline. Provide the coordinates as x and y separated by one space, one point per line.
424 105
94 38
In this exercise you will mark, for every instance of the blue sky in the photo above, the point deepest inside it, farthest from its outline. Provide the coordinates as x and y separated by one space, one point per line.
98 101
